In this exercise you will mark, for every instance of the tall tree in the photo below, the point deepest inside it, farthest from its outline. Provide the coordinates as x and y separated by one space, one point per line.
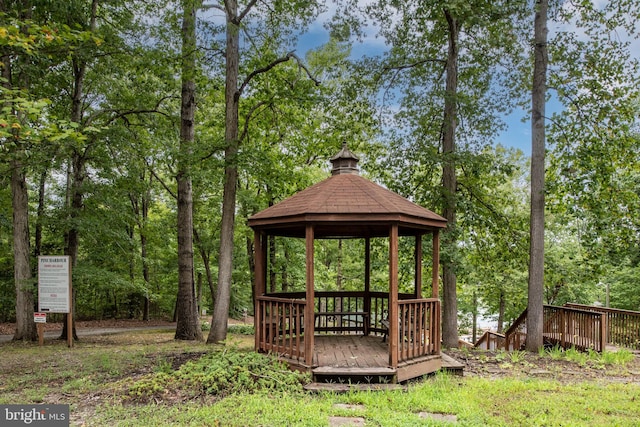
77 164
449 182
25 326
218 330
188 325
287 12
536 234
447 59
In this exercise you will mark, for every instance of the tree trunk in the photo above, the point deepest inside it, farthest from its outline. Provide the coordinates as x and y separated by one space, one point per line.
287 263
449 182
143 255
252 271
78 169
501 310
78 175
474 321
37 250
220 317
536 249
188 327
25 326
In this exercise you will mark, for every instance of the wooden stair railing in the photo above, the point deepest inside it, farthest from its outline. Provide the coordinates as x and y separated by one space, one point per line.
622 326
566 326
490 341
515 336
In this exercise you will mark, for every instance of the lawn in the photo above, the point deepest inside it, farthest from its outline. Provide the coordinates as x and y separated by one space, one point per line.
145 378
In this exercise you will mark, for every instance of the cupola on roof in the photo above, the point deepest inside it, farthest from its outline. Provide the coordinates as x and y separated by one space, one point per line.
346 205
344 162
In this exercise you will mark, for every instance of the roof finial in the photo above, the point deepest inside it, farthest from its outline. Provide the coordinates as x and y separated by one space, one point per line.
345 162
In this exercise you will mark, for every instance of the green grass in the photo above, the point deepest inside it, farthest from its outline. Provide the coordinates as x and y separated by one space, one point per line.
100 377
474 401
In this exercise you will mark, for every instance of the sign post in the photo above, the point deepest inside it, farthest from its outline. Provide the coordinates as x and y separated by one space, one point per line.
54 288
40 319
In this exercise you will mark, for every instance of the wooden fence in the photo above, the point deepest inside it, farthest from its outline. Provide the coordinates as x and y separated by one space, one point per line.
515 336
622 326
573 327
564 326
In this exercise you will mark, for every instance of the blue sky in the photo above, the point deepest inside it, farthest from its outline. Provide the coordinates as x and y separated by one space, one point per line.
518 134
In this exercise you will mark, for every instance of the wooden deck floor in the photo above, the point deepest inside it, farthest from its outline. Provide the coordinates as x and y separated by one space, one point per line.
351 351
364 359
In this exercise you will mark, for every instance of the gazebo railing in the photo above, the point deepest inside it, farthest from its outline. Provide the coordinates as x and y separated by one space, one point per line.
341 312
347 311
419 328
379 308
281 326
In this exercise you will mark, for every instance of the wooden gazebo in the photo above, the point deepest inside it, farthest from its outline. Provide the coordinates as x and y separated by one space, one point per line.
343 334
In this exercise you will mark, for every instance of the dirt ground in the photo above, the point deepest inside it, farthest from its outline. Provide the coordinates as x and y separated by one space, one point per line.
9 328
497 364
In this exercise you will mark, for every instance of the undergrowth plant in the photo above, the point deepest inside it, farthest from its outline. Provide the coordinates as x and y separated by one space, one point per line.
620 357
517 356
555 352
219 374
241 329
576 356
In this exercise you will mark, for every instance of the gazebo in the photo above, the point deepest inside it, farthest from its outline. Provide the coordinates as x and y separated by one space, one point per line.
340 334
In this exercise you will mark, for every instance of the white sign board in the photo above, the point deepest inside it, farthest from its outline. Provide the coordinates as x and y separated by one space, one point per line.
40 317
54 284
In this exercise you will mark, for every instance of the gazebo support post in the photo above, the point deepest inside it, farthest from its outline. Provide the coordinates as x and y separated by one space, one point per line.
417 292
367 285
309 326
435 291
435 288
393 296
259 242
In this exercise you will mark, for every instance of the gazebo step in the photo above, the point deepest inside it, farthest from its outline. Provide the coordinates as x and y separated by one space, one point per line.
343 388
449 364
353 370
355 375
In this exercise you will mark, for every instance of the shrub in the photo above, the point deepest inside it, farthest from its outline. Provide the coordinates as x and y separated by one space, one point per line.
241 329
219 374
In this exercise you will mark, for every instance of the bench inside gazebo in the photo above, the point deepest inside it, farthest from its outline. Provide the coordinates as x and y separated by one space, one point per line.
366 335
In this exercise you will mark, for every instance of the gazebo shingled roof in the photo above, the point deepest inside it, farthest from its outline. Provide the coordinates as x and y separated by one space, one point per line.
345 205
